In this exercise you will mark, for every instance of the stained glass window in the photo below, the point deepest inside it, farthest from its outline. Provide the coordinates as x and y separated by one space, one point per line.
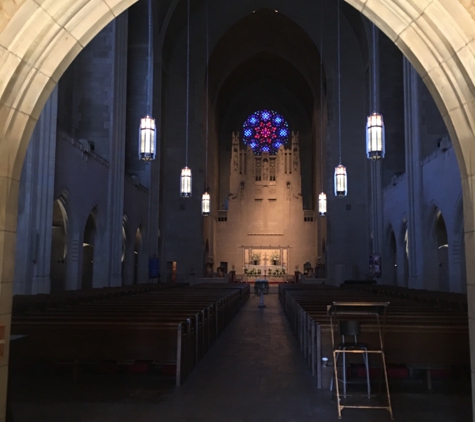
265 131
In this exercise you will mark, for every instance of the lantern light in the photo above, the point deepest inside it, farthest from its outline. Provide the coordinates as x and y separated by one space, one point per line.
341 188
322 204
205 204
375 137
185 178
147 139
340 170
185 182
147 128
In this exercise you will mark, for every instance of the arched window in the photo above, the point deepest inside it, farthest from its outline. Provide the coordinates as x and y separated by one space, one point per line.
265 131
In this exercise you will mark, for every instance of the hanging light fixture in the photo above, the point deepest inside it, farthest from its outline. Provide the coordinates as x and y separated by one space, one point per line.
206 198
375 134
147 139
205 204
322 198
322 204
341 178
185 178
185 184
340 181
375 138
147 129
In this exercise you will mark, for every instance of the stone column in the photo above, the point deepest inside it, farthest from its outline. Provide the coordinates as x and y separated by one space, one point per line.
376 165
414 174
153 220
113 237
35 213
152 238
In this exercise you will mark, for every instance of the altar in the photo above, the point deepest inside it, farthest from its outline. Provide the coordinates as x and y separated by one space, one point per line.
266 262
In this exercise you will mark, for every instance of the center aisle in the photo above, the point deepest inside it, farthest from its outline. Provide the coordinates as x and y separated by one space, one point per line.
254 372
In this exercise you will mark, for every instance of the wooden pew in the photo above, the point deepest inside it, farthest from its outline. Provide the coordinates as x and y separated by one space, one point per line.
444 300
417 333
165 327
24 303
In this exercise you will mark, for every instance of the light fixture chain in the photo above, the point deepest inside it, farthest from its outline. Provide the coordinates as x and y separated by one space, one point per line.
149 70
339 82
373 66
187 81
321 94
207 96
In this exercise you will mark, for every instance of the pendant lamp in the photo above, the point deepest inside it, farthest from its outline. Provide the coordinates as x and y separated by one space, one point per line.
205 204
322 198
147 139
185 178
375 134
340 177
322 204
341 188
375 138
206 198
185 185
147 129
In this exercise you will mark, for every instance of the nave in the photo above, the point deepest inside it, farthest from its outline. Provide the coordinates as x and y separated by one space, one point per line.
254 372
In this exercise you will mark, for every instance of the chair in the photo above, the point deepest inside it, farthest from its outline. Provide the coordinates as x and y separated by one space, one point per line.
348 329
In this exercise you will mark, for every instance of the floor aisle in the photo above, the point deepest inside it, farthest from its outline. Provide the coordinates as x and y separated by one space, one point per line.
253 373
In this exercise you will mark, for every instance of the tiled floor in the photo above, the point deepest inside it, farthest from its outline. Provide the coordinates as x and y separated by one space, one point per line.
253 373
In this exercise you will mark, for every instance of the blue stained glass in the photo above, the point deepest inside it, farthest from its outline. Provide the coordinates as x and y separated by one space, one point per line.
265 131
265 115
253 120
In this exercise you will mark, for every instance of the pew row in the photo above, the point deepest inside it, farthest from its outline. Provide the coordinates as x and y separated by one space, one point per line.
444 300
417 334
166 327
25 303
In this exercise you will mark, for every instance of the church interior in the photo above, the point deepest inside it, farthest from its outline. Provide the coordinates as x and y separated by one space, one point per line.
310 146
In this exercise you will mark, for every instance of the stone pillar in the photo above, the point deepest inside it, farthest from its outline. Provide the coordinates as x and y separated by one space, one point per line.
153 221
414 174
35 213
376 165
155 230
113 237
151 247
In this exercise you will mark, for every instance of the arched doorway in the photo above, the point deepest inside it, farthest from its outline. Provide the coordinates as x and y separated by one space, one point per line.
405 255
437 250
442 253
59 248
40 41
392 259
137 250
88 253
124 248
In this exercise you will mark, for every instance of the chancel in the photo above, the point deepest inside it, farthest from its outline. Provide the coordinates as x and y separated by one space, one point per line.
265 209
128 263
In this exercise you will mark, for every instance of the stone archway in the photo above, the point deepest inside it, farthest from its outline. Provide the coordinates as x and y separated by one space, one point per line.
38 41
